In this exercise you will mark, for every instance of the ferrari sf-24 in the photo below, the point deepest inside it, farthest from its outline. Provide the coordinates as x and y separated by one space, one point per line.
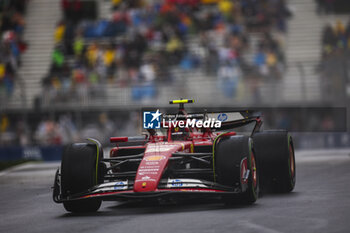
225 163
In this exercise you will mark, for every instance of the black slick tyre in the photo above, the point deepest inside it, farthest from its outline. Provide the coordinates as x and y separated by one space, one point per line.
235 166
79 172
276 160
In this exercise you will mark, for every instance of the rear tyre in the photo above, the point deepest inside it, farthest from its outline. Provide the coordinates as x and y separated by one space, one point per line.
79 172
235 166
276 161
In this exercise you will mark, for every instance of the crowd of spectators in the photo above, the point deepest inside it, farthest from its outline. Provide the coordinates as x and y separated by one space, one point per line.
65 128
143 40
333 66
12 24
335 38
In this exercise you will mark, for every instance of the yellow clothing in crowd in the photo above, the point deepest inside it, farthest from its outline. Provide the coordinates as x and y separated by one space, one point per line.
2 70
4 123
59 33
108 57
173 45
271 59
116 2
92 53
339 28
225 6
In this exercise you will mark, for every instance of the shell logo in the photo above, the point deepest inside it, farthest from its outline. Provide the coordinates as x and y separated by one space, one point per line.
155 158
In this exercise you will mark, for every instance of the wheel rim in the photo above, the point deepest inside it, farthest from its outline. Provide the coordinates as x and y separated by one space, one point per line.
291 161
254 173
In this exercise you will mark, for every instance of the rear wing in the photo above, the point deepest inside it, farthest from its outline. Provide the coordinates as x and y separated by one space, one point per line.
228 119
234 119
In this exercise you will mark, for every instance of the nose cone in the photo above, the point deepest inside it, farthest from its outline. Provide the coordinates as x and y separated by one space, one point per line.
154 162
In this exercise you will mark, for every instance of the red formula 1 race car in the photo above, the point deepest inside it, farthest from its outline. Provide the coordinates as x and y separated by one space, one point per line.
184 155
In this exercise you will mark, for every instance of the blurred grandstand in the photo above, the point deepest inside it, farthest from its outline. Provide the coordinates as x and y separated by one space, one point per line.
90 65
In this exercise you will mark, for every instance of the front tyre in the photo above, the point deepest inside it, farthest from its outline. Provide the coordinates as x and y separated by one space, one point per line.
235 166
79 172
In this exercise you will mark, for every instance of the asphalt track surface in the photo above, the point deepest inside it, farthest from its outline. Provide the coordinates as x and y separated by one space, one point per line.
319 203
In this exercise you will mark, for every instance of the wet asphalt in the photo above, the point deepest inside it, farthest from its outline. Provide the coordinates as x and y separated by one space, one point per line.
319 203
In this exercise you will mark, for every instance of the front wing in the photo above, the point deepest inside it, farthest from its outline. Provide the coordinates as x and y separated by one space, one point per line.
123 190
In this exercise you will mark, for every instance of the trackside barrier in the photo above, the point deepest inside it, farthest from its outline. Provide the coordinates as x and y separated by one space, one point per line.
321 140
54 153
46 153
